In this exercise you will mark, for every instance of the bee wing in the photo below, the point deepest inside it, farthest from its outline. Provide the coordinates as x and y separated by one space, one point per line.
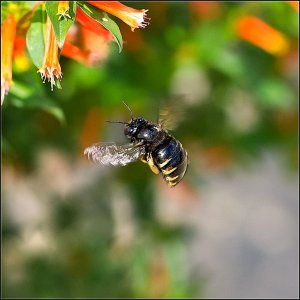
113 154
171 112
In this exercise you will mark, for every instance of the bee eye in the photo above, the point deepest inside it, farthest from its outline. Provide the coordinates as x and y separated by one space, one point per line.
129 130
140 120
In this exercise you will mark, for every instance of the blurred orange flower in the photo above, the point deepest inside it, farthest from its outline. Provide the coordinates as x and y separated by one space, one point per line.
93 48
94 40
206 10
262 35
20 58
294 4
8 35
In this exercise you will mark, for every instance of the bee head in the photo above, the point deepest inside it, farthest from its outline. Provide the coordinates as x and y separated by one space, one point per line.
134 126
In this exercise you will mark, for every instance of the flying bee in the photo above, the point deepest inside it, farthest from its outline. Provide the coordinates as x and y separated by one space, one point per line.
148 142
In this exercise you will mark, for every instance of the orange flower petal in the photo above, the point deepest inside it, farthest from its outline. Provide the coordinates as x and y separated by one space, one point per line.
92 25
262 35
133 17
51 67
205 10
19 45
94 47
74 52
21 61
294 4
8 35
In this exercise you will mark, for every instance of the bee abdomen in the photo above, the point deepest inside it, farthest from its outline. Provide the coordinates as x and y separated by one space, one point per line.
171 159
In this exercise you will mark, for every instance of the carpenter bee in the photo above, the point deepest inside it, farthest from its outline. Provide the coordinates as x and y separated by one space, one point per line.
150 143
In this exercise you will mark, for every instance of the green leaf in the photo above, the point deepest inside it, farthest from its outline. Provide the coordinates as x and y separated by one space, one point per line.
47 106
62 26
22 91
102 18
35 38
25 96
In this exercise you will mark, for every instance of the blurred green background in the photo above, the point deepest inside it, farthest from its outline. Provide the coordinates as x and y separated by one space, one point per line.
229 229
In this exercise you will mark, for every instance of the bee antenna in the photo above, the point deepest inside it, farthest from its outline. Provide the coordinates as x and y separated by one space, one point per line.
131 114
121 122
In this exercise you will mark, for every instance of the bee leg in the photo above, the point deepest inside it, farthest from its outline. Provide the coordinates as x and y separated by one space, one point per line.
151 164
144 159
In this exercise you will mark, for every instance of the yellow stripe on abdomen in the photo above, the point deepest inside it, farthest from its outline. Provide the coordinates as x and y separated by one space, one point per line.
168 178
164 163
169 171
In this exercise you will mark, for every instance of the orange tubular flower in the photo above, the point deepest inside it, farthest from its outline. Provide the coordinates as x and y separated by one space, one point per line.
133 17
93 50
74 52
96 47
51 67
8 35
20 58
94 39
262 35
